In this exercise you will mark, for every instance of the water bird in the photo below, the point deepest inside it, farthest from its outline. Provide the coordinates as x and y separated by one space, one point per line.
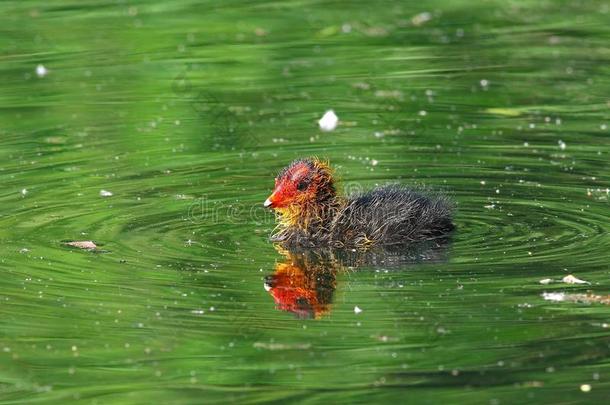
311 213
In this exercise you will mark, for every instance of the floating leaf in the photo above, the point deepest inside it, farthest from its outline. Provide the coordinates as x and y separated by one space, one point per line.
83 244
570 279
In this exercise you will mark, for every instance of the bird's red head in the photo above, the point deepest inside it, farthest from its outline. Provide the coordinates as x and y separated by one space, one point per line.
302 182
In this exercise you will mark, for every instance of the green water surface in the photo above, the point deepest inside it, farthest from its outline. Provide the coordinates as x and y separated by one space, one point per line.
185 110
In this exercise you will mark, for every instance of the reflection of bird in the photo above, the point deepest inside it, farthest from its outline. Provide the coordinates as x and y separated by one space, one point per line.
311 213
305 282
303 286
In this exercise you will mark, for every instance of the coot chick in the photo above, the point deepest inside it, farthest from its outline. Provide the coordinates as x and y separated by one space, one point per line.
311 214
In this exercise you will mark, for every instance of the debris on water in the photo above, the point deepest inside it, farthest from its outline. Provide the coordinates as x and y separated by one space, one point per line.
570 279
385 338
357 310
189 242
580 298
585 387
24 250
83 244
281 346
105 193
554 296
329 121
509 112
41 71
562 144
260 32
24 191
421 18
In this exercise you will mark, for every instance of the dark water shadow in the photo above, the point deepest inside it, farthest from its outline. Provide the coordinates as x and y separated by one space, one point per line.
304 283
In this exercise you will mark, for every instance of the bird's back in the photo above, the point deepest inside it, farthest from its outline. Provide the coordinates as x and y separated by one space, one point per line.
392 215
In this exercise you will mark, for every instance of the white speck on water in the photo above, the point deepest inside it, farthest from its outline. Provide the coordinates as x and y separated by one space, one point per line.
374 162
41 71
105 193
585 388
423 113
554 296
357 310
526 144
546 281
484 83
562 144
482 182
421 18
329 121
603 127
570 279
24 192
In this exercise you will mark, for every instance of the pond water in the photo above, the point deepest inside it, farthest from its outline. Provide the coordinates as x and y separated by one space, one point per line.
155 129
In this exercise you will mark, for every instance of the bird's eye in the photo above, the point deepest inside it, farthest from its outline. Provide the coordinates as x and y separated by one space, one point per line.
302 185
